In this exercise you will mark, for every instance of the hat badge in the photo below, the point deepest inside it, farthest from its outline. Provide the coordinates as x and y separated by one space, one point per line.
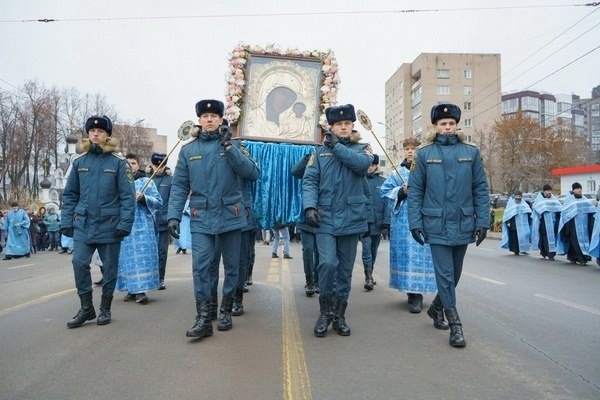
342 112
95 122
208 105
445 109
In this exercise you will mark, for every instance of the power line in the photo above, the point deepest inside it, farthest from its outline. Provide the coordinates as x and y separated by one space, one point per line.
301 14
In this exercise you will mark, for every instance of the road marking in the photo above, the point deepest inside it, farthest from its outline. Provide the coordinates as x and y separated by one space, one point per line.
34 301
20 266
568 303
481 278
296 383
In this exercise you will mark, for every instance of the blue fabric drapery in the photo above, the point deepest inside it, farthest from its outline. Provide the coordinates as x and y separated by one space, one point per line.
277 194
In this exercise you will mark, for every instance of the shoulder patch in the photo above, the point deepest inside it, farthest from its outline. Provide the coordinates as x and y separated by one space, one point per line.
311 160
413 166
129 174
244 150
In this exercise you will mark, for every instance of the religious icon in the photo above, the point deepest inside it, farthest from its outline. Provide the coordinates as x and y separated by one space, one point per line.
282 102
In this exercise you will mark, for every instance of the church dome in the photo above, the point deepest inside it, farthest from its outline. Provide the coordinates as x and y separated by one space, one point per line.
45 184
72 139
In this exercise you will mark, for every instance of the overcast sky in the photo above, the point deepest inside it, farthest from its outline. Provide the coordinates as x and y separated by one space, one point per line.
157 68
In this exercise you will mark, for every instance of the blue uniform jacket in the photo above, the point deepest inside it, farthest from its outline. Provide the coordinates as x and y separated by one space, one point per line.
163 185
448 193
375 181
333 184
99 196
210 176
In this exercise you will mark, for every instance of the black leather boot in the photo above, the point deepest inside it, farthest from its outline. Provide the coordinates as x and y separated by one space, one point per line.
249 277
436 313
104 316
203 326
416 302
457 339
309 289
325 316
225 322
214 307
339 320
85 313
238 303
368 279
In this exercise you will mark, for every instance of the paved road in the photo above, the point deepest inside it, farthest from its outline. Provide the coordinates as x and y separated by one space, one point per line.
532 328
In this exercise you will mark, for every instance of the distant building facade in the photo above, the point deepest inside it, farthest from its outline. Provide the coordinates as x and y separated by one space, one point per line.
471 81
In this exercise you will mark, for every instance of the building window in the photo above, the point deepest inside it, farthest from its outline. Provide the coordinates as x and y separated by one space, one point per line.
468 90
468 123
443 73
467 74
467 106
443 90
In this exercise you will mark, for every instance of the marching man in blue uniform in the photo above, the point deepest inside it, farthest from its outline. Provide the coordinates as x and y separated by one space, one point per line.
98 212
209 170
335 203
448 207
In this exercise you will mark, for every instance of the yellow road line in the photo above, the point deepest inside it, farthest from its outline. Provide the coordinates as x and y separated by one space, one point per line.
34 301
296 382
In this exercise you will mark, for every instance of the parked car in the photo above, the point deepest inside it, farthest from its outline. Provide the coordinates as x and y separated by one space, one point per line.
498 200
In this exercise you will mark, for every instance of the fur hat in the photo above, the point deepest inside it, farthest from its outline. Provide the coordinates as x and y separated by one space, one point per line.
546 187
576 185
441 111
157 158
100 122
210 106
340 113
375 159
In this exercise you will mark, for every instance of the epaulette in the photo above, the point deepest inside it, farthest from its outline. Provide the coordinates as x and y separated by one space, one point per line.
118 155
424 145
188 141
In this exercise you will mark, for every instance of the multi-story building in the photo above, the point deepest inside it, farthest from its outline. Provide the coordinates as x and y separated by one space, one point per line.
591 119
471 81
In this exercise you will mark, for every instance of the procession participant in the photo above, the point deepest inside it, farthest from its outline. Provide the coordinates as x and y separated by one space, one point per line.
370 240
18 241
208 169
335 203
411 266
310 254
544 226
575 226
448 206
516 225
185 235
162 179
138 259
98 212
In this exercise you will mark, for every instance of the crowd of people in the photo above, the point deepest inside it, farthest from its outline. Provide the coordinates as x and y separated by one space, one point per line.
571 229
431 207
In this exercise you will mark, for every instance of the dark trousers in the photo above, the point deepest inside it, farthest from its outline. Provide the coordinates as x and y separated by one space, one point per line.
336 261
448 264
82 257
245 256
310 255
370 245
163 250
204 256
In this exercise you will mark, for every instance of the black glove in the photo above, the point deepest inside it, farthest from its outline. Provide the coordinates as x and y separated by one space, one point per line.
312 218
330 139
418 235
173 228
479 234
401 195
385 230
68 232
121 233
225 134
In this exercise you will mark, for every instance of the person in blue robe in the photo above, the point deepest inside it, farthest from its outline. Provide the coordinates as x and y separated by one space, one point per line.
544 225
185 235
138 258
411 266
595 239
516 225
575 226
18 242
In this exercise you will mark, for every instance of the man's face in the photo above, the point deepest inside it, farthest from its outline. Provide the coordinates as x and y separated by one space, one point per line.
409 152
373 168
133 164
343 129
446 126
577 192
97 135
547 194
210 122
518 198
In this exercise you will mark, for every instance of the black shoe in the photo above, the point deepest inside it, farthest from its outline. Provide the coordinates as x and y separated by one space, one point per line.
99 283
287 256
141 298
246 289
161 285
7 258
416 302
184 251
63 251
178 250
274 255
129 297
